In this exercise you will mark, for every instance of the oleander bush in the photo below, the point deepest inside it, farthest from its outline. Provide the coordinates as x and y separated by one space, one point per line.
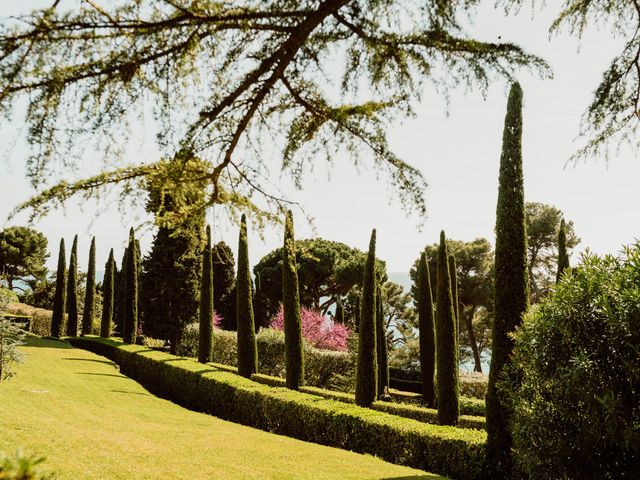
455 452
323 368
577 406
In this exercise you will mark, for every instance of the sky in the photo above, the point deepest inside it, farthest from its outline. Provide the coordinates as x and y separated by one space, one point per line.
455 144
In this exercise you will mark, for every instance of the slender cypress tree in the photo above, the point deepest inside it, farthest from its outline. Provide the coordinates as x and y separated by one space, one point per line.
205 347
563 255
72 291
511 282
293 347
118 294
427 332
339 316
367 371
247 347
356 313
130 314
381 346
453 276
107 296
446 343
259 313
57 318
90 292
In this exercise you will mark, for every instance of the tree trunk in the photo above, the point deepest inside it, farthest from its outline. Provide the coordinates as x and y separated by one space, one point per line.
472 339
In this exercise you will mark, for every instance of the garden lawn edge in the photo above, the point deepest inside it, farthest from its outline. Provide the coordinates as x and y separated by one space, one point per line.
455 452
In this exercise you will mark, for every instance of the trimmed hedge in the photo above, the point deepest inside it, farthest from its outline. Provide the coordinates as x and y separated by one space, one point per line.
468 405
455 452
472 384
422 414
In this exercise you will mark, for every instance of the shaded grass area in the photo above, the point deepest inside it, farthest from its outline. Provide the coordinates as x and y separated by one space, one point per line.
76 409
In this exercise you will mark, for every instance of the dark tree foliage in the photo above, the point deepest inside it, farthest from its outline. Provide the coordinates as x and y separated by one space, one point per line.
446 343
247 347
339 316
293 343
381 345
72 291
511 285
57 317
367 371
23 252
108 286
205 345
90 292
224 279
130 314
426 325
563 255
259 305
326 270
171 271
92 70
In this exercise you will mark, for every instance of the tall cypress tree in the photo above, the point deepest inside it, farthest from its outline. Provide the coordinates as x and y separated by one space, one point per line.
511 282
427 332
108 285
453 276
356 313
259 310
381 346
563 255
72 291
90 292
57 318
339 316
293 347
446 343
130 314
118 294
247 347
367 371
205 347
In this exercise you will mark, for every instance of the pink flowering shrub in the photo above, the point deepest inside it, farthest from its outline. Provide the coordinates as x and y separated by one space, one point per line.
217 319
317 329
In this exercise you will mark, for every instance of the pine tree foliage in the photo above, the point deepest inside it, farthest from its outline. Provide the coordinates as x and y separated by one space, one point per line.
511 280
72 291
90 292
108 285
426 325
446 343
247 347
57 317
367 367
293 343
232 74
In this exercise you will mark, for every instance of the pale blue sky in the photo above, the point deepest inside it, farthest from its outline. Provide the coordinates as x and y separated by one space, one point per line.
458 154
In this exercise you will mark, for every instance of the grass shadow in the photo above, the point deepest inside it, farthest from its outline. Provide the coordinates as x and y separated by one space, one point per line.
426 476
131 393
107 362
101 374
46 342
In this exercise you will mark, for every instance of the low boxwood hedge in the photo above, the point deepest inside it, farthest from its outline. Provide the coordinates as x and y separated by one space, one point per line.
422 414
454 452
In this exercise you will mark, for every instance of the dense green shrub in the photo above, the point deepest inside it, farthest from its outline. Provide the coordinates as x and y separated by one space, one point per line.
577 410
450 451
9 295
323 368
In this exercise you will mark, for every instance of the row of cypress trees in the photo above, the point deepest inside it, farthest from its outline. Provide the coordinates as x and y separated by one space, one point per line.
66 293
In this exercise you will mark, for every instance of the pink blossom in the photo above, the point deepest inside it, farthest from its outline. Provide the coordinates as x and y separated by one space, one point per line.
317 329
217 319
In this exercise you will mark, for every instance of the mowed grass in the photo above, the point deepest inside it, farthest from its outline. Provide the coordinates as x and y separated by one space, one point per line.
89 421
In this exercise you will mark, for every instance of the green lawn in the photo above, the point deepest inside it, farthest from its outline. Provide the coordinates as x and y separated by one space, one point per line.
90 421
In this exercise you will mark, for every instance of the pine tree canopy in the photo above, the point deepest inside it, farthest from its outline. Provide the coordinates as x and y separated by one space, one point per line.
227 80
